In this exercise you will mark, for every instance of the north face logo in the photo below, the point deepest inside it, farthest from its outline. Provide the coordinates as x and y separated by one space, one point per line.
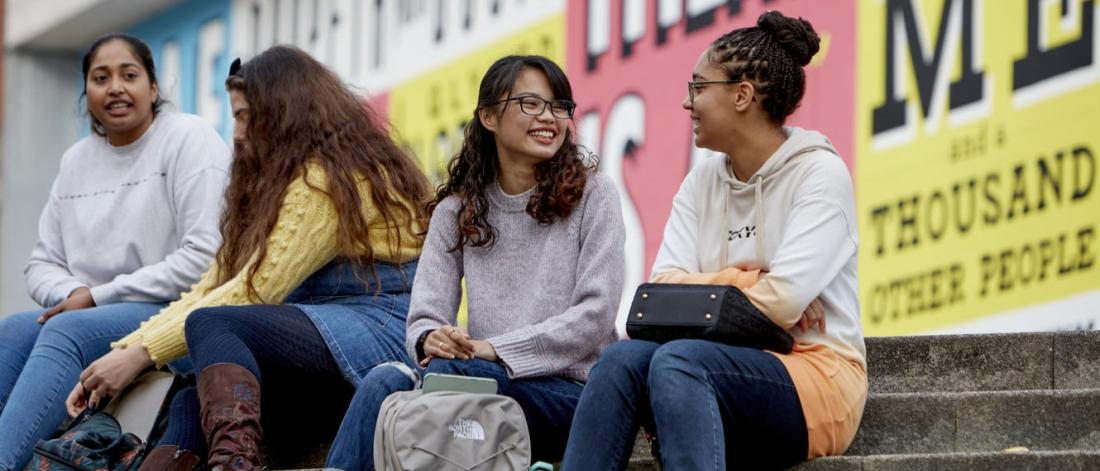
469 429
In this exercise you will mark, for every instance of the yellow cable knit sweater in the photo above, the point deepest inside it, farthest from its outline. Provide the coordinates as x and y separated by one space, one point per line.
302 241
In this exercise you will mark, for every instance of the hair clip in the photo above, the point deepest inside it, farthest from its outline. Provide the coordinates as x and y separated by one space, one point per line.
235 68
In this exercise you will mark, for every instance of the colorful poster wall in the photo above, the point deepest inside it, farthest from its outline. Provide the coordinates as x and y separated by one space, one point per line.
977 144
970 126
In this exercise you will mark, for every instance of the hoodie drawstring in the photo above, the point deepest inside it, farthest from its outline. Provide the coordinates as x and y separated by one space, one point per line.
761 249
724 252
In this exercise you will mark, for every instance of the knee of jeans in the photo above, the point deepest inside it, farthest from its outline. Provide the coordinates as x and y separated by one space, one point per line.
383 380
392 373
20 321
63 337
19 331
631 356
447 367
675 357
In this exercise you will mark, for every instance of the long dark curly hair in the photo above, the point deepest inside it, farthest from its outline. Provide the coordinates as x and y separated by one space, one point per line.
560 180
299 111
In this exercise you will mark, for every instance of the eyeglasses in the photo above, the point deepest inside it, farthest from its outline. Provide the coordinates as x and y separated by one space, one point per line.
534 106
694 86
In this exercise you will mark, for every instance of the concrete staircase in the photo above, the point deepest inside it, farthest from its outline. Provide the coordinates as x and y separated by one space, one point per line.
1006 401
983 402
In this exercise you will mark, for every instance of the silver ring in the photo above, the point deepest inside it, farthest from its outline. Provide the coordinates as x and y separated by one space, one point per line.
440 346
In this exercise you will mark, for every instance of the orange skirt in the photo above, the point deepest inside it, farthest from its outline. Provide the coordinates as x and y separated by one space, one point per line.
832 391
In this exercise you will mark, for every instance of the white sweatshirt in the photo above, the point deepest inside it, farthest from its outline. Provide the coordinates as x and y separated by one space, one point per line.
136 223
795 218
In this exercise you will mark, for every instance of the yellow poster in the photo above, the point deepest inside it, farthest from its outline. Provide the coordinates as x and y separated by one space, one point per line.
978 137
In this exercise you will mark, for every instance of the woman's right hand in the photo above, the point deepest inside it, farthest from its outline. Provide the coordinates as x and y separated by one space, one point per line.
447 342
80 298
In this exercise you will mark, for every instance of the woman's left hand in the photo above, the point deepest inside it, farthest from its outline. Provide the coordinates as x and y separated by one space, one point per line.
814 316
107 376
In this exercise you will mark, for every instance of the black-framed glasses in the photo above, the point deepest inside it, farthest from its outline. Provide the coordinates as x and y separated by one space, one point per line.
695 85
534 106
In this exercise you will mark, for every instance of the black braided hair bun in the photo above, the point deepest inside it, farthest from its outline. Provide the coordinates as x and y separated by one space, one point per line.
795 35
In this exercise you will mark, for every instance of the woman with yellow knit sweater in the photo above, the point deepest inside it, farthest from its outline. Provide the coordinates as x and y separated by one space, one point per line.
311 286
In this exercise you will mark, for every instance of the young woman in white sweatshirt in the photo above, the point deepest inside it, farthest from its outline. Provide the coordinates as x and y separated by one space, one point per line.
131 222
775 217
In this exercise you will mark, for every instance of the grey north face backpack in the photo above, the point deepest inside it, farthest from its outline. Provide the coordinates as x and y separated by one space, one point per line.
449 430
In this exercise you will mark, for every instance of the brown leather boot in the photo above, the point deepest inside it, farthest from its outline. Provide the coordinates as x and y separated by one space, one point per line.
169 458
230 398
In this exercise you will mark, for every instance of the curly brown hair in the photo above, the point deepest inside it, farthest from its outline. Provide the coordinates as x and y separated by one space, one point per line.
301 112
560 180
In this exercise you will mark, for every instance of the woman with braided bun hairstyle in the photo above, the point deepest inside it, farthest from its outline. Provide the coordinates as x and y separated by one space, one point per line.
775 217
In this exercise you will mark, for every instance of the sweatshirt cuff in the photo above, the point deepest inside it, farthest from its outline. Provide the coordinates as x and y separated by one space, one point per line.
62 291
104 294
518 352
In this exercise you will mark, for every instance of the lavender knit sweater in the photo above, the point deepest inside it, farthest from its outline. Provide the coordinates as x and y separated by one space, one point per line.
544 295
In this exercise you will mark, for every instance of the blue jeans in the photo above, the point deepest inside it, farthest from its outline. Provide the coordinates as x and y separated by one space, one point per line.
548 404
40 364
713 406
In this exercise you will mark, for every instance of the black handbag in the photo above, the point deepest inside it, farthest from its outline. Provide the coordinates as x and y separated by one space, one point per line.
663 312
95 442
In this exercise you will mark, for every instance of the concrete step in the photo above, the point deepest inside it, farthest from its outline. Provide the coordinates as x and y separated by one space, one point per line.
990 461
993 362
944 394
963 424
906 423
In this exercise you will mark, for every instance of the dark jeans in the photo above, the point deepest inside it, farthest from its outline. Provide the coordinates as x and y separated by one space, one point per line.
547 403
282 348
713 406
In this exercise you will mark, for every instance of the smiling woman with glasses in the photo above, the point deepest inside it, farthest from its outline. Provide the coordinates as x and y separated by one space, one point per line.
537 234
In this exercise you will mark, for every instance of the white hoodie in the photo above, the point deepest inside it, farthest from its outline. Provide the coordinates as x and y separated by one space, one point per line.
795 219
